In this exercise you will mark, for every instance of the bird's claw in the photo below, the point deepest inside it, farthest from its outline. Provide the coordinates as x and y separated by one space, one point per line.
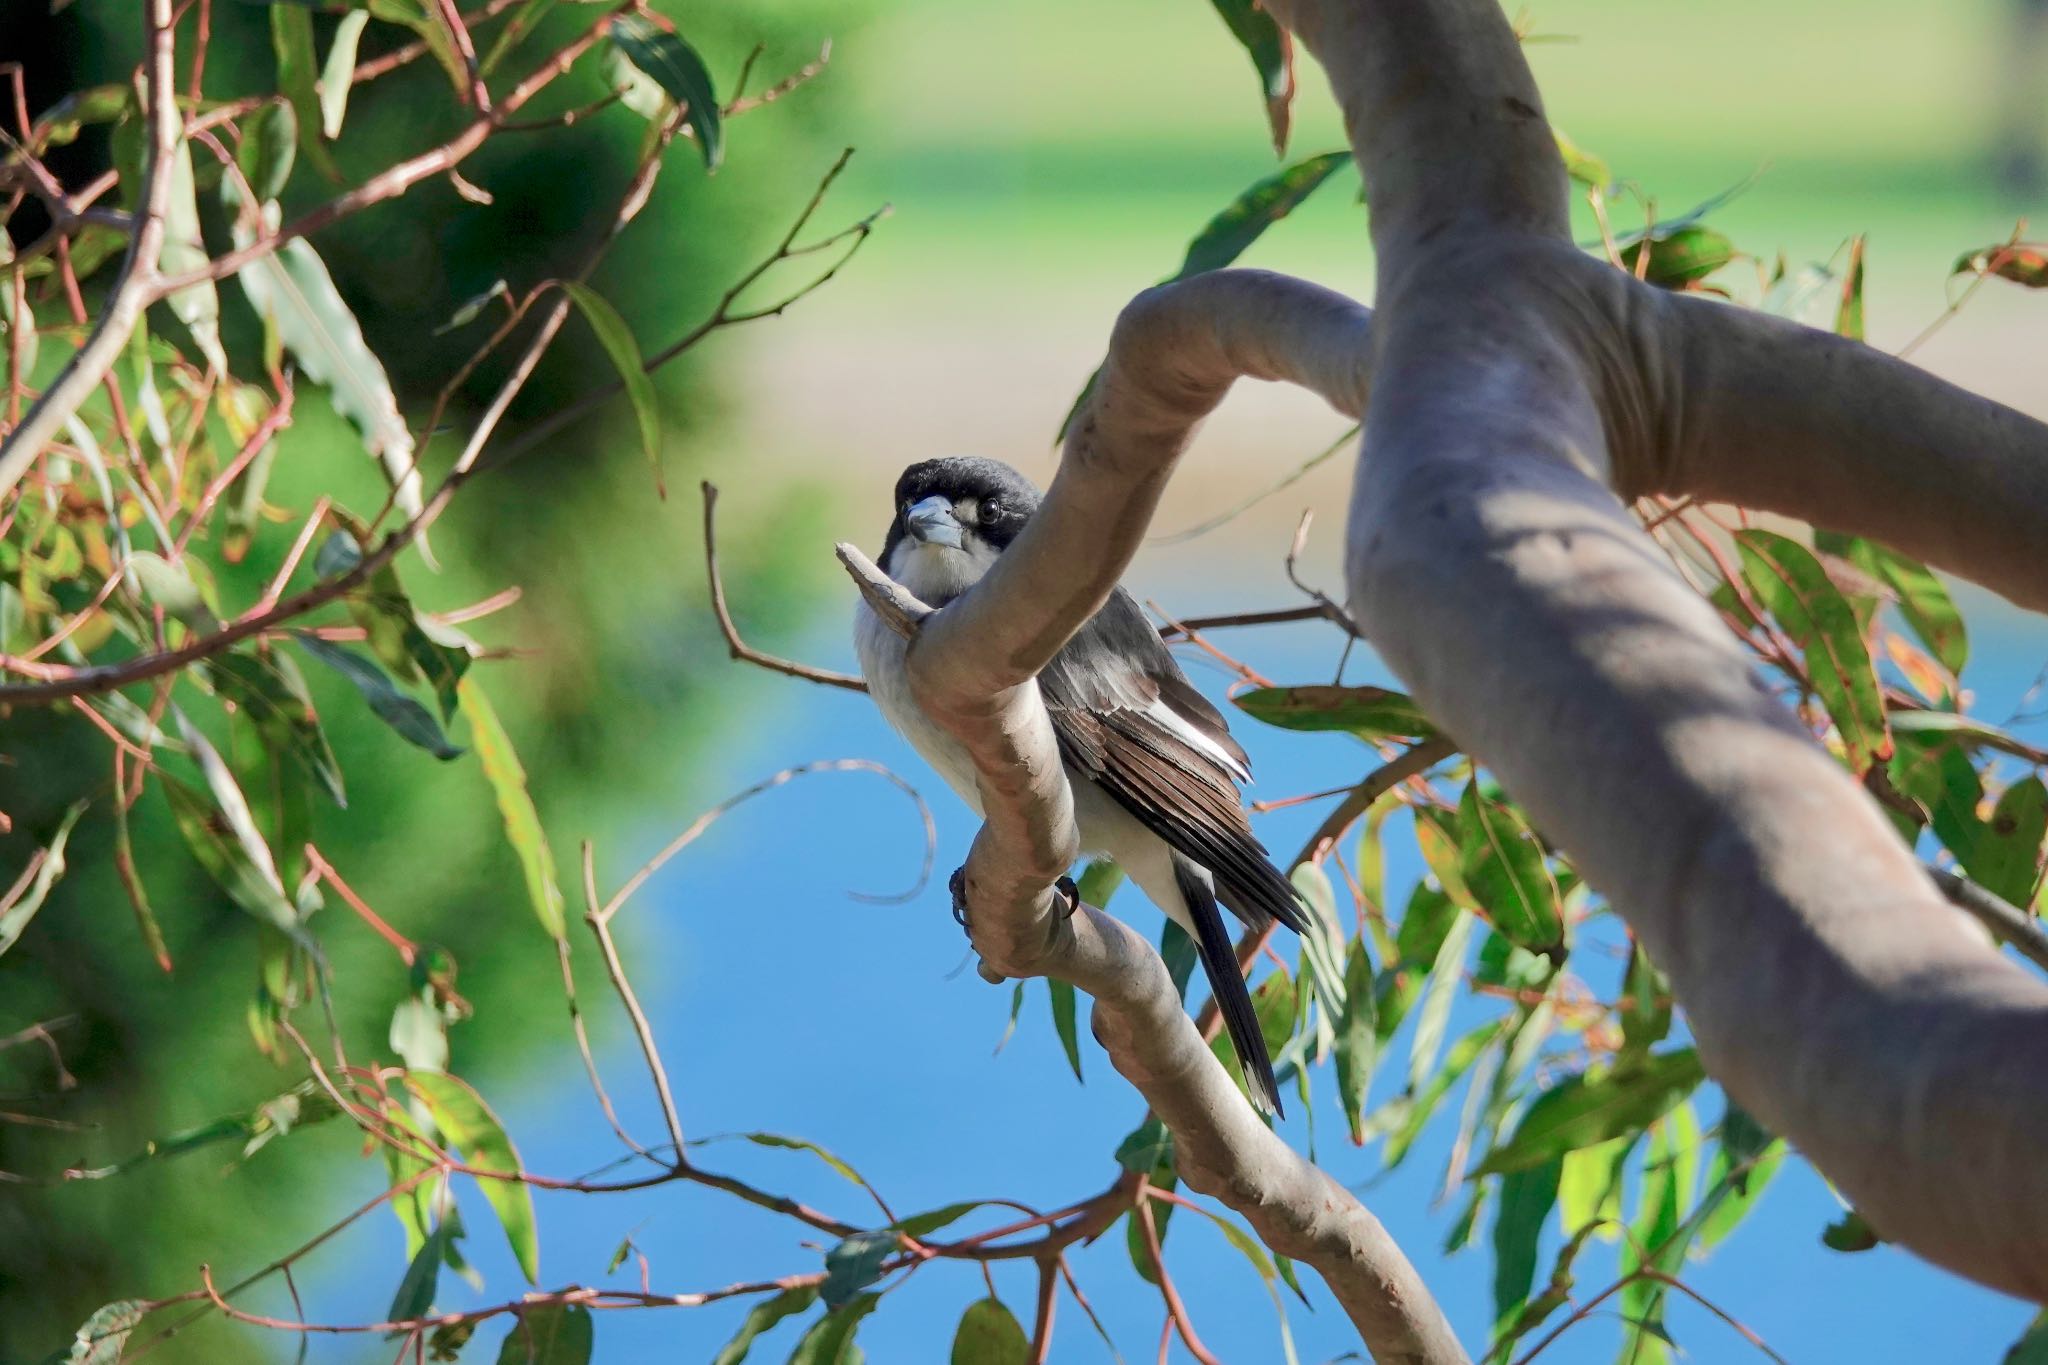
1070 894
957 885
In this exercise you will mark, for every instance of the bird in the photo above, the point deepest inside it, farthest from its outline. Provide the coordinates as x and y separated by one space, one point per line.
1152 765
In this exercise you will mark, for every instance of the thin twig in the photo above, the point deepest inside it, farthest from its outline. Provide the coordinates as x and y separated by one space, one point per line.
2006 921
738 648
600 925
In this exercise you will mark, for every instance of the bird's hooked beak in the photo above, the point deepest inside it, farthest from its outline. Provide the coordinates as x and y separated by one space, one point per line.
932 522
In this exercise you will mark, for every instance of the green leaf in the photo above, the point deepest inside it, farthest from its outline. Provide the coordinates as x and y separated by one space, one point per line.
1446 978
291 38
1850 1232
2016 261
1099 881
1679 257
1146 1148
177 588
292 292
1791 583
675 65
1526 1198
269 139
211 835
269 689
422 1276
1589 1188
412 721
1368 712
761 1318
14 918
1357 1038
1231 233
1849 316
618 343
336 78
921 1225
1645 1004
1581 165
989 1335
1177 950
470 1127
1922 599
801 1145
523 22
515 806
1744 1164
855 1263
2005 857
1504 868
2031 1349
550 1334
104 1335
1064 1022
184 250
1590 1108
62 122
1272 54
831 1337
1406 1116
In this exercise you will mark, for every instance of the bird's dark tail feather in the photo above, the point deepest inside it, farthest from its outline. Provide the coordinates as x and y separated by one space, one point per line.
1227 984
1260 893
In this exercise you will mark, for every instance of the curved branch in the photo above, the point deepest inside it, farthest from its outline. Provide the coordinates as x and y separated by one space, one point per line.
1175 351
1771 414
136 285
1831 989
739 649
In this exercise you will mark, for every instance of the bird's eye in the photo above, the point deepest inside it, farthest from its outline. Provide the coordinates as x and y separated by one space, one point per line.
991 507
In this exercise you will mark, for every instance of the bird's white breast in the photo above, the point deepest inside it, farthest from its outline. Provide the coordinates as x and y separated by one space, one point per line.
881 652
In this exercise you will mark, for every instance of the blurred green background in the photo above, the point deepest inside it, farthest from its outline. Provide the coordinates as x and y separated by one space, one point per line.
1045 161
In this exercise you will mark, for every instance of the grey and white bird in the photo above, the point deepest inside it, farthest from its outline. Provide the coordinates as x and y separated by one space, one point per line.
1153 767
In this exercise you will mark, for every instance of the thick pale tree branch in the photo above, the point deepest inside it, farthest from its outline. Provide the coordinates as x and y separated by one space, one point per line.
1770 414
1831 989
1174 353
135 288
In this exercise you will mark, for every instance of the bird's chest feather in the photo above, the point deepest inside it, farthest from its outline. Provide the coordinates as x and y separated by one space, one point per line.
881 652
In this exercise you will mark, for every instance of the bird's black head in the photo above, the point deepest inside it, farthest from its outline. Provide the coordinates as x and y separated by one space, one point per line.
959 512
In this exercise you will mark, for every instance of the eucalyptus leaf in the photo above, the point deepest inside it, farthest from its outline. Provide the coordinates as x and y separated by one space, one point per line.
618 343
677 68
412 721
15 918
515 806
337 77
469 1126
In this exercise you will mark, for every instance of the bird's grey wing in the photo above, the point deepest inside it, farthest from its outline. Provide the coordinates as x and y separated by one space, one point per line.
1128 720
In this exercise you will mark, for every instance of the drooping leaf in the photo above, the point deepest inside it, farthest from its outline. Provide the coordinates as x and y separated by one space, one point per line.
2020 262
1064 1021
989 1334
1744 1163
183 590
1404 1117
1589 1187
763 1316
1272 54
415 1293
1645 1003
270 690
831 1337
1357 1039
269 144
1446 977
550 1334
103 1337
336 78
515 806
14 918
523 21
211 835
1581 165
412 721
1504 868
855 1263
291 38
292 292
675 65
1146 1148
2005 857
1922 599
1177 950
1526 1198
469 1126
1796 590
618 343
1590 1108
184 250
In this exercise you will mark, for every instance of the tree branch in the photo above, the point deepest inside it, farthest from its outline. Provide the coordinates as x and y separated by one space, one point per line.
1174 353
1771 414
1830 989
136 287
738 648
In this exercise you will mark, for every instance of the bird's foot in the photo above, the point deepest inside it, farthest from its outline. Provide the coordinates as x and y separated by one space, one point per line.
1070 894
957 885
